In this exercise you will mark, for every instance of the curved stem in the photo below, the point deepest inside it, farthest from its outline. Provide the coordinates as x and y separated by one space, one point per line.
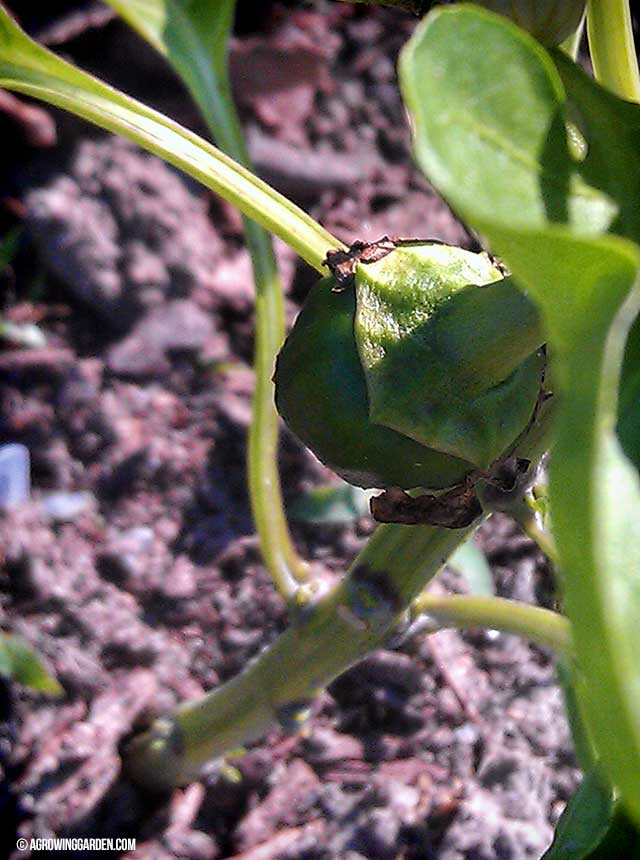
612 49
541 626
287 569
197 49
32 69
530 526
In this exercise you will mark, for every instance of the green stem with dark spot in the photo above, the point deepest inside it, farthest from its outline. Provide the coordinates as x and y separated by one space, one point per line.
329 635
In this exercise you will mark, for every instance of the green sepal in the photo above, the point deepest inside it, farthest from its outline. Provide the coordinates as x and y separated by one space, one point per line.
448 348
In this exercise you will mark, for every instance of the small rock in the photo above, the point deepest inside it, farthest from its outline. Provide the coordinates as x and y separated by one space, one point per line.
378 835
326 747
14 475
179 325
66 507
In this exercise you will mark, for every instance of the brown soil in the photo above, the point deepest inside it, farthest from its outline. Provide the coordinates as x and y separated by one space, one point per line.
150 589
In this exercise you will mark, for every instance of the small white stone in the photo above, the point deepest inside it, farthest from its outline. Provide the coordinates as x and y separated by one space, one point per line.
63 507
15 481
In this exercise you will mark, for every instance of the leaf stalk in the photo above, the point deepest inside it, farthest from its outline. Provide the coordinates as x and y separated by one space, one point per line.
613 53
542 626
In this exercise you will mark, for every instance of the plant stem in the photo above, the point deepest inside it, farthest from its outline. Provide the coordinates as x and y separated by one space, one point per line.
542 626
287 569
539 535
571 45
204 69
327 637
32 69
611 45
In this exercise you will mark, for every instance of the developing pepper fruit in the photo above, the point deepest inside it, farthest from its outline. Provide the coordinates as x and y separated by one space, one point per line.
411 366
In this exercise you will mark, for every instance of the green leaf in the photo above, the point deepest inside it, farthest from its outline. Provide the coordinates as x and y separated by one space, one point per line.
585 821
568 679
594 825
495 145
509 134
628 428
471 562
19 662
332 505
622 840
193 36
29 68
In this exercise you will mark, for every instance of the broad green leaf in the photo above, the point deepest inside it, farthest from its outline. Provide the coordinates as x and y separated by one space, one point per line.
332 505
509 133
472 564
19 662
495 145
29 68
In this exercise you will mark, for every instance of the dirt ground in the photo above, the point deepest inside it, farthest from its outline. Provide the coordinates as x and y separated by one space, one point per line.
142 584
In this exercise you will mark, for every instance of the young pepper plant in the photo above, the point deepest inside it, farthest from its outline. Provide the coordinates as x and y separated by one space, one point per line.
332 631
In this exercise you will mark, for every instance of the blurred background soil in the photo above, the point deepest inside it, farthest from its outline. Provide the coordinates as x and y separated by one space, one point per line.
134 568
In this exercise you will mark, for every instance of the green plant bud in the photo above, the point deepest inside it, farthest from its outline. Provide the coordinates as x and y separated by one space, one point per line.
422 370
550 21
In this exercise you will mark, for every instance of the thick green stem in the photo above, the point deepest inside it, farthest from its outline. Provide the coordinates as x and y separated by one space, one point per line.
611 45
327 637
30 68
497 613
202 65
